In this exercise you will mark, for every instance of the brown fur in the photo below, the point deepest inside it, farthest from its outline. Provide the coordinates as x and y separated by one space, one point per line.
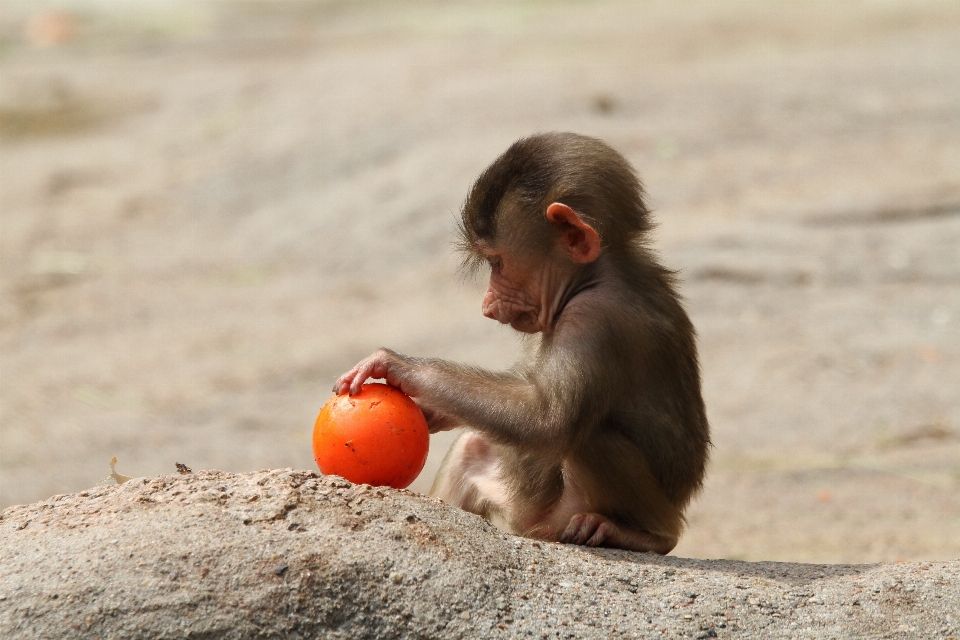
605 417
640 429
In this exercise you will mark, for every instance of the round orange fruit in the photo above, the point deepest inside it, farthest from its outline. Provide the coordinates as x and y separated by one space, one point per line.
378 437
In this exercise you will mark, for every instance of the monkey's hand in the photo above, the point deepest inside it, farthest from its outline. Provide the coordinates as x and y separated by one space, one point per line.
386 364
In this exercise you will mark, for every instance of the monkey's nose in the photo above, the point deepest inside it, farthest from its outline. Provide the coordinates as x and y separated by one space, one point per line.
491 306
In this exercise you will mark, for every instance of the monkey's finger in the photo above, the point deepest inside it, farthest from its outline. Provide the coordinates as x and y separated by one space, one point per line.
378 369
584 534
599 536
363 372
376 366
572 529
343 382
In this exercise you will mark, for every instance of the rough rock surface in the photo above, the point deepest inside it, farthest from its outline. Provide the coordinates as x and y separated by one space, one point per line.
292 554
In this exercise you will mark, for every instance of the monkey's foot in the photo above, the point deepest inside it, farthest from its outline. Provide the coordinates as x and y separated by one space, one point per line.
594 530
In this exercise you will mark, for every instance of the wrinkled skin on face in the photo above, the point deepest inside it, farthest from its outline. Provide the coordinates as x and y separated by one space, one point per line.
524 293
527 291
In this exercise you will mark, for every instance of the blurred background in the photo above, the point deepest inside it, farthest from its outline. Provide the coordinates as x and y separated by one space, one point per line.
211 209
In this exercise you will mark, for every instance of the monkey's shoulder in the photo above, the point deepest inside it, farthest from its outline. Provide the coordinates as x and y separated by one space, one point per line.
620 310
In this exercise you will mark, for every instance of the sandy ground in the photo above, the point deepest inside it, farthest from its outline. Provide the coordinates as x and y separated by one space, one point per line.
209 210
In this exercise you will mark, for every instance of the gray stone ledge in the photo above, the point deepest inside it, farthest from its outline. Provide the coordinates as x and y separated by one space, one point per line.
291 554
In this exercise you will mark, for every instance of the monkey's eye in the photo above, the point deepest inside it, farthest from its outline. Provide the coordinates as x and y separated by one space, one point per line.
494 263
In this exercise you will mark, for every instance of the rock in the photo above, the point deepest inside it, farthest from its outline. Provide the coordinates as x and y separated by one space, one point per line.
292 554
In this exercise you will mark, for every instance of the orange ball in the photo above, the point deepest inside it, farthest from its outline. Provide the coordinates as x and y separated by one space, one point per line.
378 437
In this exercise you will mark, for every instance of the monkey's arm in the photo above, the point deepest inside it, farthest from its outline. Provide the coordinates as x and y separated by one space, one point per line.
537 404
510 406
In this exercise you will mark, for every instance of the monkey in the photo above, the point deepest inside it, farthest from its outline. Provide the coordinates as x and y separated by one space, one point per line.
598 435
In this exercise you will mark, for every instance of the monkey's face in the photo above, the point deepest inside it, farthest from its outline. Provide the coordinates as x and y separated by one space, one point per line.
522 290
529 276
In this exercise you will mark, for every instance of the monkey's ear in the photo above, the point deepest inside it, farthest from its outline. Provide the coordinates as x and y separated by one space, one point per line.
577 237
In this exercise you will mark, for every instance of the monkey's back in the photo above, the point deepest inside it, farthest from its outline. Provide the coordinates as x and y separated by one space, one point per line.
653 440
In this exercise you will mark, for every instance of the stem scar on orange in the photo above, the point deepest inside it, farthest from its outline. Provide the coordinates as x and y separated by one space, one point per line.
378 437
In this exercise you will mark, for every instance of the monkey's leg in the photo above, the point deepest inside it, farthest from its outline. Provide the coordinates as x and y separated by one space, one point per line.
594 530
470 479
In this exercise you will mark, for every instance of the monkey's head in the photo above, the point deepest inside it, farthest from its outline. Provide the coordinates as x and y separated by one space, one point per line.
543 211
